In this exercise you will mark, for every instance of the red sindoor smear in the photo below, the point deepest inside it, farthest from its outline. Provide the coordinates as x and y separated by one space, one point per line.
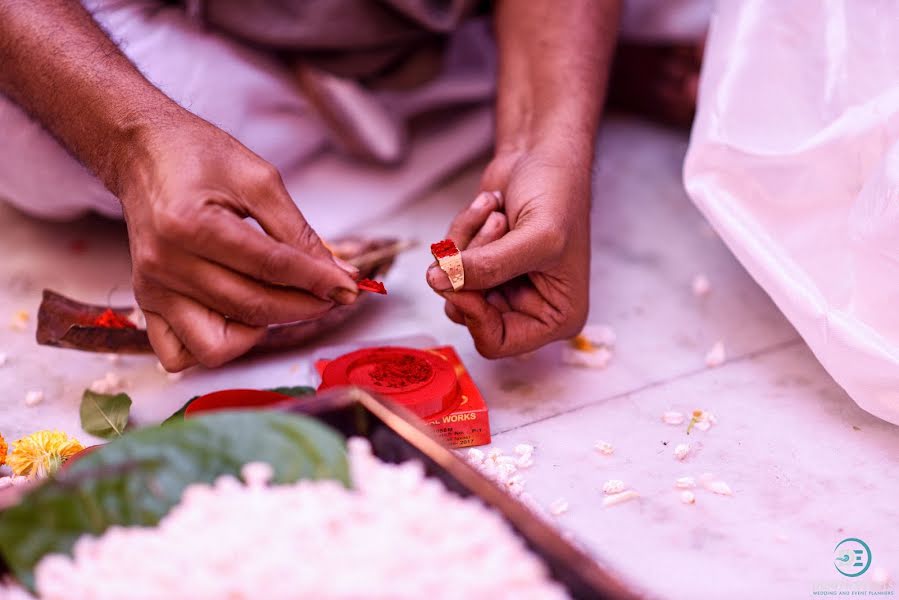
370 285
111 320
444 248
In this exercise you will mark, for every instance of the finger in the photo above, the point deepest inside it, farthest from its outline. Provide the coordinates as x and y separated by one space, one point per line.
172 354
206 335
522 250
496 334
470 220
230 241
454 314
267 200
241 298
495 227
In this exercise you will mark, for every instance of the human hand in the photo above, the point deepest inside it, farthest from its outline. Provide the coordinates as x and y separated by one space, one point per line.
208 281
526 254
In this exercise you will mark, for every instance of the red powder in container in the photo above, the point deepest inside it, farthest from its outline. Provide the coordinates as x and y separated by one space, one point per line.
400 372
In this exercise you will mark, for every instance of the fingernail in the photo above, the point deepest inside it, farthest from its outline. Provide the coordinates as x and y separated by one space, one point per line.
499 195
438 280
481 201
350 269
343 296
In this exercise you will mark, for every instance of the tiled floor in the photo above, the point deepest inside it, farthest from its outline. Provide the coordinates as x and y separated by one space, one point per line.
807 467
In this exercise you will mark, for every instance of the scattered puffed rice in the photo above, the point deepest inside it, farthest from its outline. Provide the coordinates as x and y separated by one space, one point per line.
685 482
505 459
525 461
687 497
522 449
681 451
34 397
672 417
719 487
600 335
716 356
701 285
558 506
110 384
494 453
19 321
597 358
604 447
619 498
613 486
475 455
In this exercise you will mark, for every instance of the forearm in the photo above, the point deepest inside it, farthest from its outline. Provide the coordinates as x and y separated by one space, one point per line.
58 64
554 59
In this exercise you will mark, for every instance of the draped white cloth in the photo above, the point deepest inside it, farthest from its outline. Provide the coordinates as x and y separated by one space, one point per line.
794 158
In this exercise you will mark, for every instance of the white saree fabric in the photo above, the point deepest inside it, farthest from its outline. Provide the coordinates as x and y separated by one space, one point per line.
794 158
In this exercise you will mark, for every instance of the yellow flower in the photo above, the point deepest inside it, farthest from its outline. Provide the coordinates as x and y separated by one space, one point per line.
42 453
2 451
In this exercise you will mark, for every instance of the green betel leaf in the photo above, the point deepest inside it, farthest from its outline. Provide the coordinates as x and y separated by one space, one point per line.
178 415
104 415
293 391
136 479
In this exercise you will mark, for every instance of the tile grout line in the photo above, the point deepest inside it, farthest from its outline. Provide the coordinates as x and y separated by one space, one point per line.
654 384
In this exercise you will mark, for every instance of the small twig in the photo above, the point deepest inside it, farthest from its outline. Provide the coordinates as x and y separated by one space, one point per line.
368 259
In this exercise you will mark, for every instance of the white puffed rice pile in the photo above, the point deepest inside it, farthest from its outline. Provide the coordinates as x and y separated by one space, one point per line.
396 535
504 469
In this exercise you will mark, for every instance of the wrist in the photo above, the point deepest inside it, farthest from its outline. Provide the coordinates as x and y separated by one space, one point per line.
133 135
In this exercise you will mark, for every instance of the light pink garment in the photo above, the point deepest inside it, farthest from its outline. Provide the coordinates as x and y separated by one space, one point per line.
794 158
253 97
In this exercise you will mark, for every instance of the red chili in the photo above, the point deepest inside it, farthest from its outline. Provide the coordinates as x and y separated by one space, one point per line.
369 285
444 248
112 320
401 371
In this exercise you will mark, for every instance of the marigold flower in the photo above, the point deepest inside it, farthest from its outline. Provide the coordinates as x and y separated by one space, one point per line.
42 453
3 448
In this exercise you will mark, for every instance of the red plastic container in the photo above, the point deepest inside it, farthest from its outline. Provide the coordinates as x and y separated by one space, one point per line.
432 383
234 400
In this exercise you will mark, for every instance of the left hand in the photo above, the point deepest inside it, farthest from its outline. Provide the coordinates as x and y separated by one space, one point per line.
526 254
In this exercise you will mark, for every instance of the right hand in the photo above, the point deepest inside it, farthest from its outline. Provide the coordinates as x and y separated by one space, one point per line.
208 281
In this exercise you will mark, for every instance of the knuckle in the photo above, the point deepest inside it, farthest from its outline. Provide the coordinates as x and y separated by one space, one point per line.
553 243
210 353
486 348
266 175
172 224
253 310
274 265
307 238
147 262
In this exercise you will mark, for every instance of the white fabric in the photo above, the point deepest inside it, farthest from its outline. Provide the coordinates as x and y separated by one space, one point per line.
794 158
249 95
